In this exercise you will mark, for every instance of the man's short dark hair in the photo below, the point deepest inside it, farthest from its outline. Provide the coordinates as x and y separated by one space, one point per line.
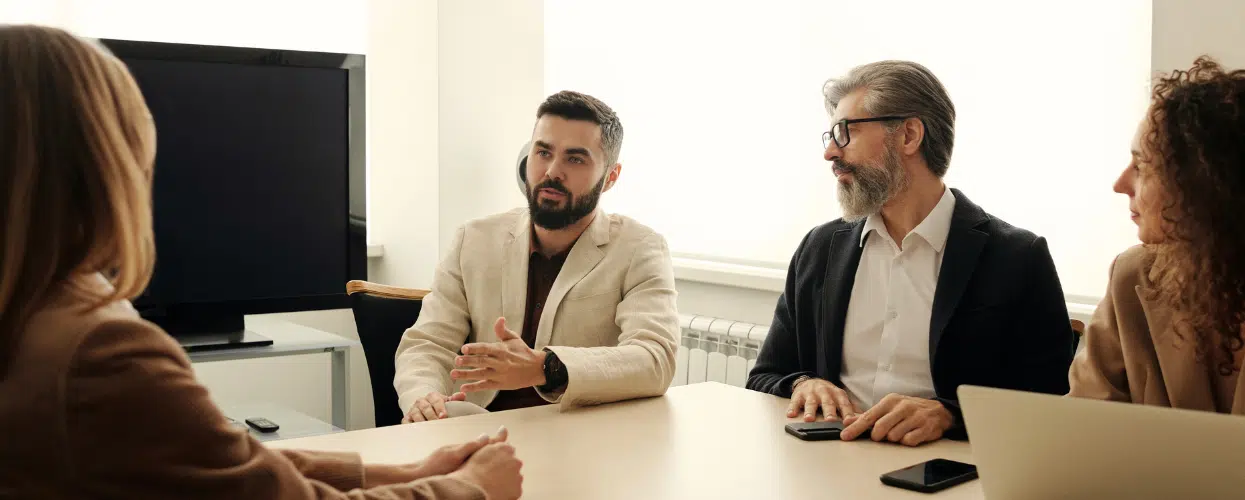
583 107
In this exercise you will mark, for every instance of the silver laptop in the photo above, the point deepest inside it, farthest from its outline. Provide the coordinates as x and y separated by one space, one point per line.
1038 446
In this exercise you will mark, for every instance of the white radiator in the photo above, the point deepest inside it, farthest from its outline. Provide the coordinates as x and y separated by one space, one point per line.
717 350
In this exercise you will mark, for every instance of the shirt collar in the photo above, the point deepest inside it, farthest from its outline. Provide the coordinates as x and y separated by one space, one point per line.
934 229
873 224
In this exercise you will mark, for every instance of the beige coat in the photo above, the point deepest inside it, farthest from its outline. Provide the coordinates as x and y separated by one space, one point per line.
105 405
1132 354
610 315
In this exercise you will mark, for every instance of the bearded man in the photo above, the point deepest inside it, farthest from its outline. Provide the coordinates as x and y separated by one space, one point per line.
557 302
915 290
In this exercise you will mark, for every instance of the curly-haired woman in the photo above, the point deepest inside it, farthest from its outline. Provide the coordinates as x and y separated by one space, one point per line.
1169 331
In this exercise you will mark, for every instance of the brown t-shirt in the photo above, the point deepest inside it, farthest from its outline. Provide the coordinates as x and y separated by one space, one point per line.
541 273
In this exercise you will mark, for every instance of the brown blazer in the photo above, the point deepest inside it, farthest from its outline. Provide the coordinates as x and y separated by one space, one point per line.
1131 353
105 405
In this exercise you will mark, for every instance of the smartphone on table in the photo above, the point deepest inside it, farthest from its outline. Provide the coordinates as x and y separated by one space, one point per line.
928 477
815 431
820 431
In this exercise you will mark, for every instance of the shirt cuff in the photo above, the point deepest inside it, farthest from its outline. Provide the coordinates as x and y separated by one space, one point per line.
787 385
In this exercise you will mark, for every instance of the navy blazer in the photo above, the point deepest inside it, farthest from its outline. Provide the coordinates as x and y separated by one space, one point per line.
998 319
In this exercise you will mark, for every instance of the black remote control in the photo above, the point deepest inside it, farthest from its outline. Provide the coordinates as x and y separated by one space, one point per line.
262 424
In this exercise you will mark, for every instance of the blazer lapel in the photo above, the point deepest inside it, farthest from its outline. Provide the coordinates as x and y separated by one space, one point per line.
513 291
1186 381
964 244
841 264
584 256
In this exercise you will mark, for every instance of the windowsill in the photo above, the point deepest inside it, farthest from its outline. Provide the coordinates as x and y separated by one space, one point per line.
774 280
725 274
768 279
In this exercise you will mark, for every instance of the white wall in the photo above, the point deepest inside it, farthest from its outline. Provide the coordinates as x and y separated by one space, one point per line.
718 301
403 189
328 25
1185 29
31 11
489 71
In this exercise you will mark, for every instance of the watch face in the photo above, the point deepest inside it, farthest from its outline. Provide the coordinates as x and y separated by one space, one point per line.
555 374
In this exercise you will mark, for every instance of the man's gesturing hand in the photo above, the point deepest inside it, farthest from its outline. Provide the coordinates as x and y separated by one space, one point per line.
812 393
503 365
901 419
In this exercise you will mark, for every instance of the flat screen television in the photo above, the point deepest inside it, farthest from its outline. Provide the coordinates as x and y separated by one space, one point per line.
258 197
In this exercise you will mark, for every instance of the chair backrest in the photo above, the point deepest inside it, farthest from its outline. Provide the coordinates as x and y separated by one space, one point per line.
382 313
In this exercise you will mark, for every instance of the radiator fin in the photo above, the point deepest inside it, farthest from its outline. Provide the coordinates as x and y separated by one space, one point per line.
717 350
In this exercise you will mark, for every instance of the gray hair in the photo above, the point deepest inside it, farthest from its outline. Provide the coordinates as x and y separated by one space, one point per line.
908 89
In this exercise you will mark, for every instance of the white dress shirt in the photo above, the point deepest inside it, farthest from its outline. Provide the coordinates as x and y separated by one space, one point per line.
886 333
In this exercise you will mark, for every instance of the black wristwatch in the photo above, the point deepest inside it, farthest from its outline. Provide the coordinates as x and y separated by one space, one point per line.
555 373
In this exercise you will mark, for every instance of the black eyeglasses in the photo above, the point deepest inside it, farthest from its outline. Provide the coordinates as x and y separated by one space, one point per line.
839 134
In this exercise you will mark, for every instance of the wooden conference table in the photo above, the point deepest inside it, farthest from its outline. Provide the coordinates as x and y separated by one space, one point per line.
706 440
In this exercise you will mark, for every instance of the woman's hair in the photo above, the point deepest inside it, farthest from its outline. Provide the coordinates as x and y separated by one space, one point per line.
76 151
1196 143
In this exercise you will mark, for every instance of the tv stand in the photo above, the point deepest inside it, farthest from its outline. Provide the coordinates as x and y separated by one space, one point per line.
292 339
209 332
200 342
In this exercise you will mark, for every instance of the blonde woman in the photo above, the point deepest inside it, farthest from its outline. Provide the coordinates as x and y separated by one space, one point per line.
94 401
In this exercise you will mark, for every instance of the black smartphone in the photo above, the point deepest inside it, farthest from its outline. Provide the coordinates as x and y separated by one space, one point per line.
815 431
935 475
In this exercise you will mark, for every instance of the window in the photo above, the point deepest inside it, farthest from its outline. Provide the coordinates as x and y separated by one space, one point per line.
721 102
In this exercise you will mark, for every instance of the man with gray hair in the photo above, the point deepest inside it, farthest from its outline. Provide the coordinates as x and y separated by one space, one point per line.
916 290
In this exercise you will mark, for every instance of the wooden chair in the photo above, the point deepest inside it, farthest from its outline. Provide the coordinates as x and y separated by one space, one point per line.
382 313
1078 327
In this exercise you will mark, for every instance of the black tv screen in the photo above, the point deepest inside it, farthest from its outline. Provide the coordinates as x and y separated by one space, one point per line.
252 194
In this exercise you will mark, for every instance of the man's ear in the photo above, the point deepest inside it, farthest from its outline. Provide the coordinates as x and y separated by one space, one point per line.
612 176
913 136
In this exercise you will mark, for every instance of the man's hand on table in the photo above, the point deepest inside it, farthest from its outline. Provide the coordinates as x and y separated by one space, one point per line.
431 407
900 419
812 393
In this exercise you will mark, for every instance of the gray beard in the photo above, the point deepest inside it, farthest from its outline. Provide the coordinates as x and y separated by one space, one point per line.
871 187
